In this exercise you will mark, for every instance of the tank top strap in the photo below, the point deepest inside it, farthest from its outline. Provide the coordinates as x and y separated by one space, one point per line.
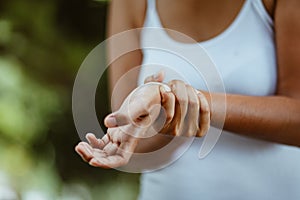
260 9
151 5
152 18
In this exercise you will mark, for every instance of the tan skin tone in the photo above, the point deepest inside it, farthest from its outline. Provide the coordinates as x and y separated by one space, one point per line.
272 118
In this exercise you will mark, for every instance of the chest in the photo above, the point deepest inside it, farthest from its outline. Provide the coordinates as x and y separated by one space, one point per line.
200 19
244 54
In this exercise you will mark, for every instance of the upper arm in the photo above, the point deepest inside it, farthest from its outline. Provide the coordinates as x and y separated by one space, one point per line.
124 52
287 29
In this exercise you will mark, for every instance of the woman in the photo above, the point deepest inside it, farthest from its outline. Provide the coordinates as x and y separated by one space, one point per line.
255 45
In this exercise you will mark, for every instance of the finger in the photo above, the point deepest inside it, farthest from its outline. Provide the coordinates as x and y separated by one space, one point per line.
115 120
102 159
99 153
109 162
96 160
168 103
80 152
105 139
167 110
113 135
94 142
111 148
158 77
120 158
138 116
126 150
179 90
204 115
136 107
134 111
85 151
192 118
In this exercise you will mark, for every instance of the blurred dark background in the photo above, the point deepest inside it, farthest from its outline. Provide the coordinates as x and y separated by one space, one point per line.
42 45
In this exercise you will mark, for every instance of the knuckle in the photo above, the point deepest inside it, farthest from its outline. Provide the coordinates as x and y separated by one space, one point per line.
150 78
175 83
172 82
189 87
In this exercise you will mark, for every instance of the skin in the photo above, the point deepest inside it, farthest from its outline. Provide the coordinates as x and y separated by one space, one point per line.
272 118
127 129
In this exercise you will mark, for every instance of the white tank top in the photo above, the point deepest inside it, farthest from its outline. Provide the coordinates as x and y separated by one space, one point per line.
238 167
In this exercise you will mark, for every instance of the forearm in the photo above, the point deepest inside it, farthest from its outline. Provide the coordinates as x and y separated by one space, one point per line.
122 82
123 50
272 118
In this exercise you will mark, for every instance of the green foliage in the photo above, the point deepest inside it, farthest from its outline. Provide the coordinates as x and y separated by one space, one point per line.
26 106
39 57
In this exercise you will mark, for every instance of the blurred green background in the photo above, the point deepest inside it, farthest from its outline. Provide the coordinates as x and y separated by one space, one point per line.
42 44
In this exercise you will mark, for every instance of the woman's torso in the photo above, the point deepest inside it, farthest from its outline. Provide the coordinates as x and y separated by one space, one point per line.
238 167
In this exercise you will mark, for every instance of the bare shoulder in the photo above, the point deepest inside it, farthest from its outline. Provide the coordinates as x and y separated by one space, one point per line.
125 14
271 5
287 28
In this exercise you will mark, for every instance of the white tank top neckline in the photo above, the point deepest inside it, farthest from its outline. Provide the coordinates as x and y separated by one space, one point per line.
156 22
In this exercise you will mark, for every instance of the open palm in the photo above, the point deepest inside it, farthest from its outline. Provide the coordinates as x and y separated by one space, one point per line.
132 121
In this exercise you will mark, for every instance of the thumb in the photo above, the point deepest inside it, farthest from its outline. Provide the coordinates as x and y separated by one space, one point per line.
158 77
115 119
127 114
138 106
134 113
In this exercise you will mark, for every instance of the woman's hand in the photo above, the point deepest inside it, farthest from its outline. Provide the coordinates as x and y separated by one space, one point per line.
141 116
187 110
131 122
113 150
